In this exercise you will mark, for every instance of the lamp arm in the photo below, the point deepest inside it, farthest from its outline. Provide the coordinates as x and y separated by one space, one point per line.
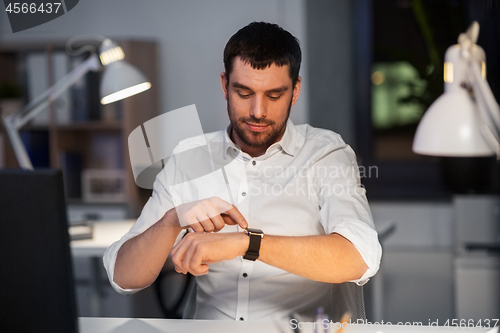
17 145
23 116
490 111
15 121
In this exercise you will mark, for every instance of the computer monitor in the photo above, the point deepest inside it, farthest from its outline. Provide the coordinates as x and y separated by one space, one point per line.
36 280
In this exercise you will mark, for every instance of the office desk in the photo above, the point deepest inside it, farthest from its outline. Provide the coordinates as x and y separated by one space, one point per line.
126 325
105 234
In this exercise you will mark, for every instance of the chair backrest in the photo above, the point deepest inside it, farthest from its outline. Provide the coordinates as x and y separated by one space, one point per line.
190 307
348 297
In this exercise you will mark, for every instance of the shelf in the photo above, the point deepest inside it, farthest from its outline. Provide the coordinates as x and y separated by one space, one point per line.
81 126
86 144
91 126
75 201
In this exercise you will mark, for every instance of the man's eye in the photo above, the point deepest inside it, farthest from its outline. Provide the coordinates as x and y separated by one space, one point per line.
274 98
244 96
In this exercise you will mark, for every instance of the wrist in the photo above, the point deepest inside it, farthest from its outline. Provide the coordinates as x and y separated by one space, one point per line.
171 221
244 242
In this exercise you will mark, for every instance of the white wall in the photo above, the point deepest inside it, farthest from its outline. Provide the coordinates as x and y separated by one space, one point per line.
419 225
191 35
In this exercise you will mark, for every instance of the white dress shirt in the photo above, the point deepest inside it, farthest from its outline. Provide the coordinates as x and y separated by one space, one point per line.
305 184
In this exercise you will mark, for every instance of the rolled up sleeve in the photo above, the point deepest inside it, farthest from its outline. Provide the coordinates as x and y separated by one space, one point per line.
344 208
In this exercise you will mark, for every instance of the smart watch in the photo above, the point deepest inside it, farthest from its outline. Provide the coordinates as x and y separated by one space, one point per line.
256 236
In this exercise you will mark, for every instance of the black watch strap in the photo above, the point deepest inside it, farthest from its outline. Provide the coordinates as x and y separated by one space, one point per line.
256 236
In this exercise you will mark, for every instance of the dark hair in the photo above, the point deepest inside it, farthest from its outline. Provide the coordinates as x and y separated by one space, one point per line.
262 44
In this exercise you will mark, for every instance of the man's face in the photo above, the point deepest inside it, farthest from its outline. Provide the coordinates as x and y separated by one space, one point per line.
258 104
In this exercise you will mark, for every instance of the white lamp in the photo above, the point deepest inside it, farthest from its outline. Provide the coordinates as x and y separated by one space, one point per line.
120 80
465 120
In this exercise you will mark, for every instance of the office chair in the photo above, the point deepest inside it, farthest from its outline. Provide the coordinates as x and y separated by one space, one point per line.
173 308
349 297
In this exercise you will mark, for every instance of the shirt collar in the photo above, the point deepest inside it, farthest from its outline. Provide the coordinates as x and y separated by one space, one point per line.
288 142
290 139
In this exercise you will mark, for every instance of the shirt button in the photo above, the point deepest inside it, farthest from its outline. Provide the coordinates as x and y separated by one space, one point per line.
245 274
253 162
243 193
241 318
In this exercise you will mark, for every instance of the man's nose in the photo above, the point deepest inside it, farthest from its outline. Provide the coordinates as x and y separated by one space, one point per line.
259 109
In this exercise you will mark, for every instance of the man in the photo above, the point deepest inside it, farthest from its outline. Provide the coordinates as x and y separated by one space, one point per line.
303 192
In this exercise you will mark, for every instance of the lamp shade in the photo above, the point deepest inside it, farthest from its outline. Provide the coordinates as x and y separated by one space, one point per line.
451 127
121 80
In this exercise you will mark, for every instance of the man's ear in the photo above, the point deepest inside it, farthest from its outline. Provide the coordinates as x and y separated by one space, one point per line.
296 90
223 83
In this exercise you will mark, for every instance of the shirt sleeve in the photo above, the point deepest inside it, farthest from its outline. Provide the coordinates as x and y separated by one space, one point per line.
156 207
344 208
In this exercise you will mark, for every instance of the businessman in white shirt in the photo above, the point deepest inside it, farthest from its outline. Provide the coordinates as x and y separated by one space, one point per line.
302 222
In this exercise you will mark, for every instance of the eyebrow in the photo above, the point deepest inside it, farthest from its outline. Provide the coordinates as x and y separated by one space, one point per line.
274 90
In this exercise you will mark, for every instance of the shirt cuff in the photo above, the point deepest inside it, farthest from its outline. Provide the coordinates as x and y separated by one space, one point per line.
365 239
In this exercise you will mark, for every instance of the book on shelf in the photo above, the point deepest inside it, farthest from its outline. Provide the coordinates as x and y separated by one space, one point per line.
37 147
72 166
86 97
37 76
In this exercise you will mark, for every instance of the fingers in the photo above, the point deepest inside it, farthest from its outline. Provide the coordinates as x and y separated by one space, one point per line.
185 261
187 256
210 215
192 261
214 224
196 251
176 248
197 227
235 214
218 222
178 253
228 219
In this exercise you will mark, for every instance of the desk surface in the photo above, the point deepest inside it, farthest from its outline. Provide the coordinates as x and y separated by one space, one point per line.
105 233
127 325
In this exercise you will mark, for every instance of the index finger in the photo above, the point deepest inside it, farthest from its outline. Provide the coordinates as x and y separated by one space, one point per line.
235 214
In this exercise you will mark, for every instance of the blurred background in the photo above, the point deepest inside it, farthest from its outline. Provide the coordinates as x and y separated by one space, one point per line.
370 70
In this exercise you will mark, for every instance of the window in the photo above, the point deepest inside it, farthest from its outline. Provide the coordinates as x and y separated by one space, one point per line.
399 48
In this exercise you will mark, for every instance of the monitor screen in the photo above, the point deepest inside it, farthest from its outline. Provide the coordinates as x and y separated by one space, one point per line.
36 283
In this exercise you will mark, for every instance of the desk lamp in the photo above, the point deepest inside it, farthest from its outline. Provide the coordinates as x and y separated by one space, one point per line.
465 120
119 80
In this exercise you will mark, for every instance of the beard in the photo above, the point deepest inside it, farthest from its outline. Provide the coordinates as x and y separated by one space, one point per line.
257 139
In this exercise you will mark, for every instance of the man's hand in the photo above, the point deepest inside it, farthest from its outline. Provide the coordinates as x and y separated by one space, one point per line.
196 250
208 215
